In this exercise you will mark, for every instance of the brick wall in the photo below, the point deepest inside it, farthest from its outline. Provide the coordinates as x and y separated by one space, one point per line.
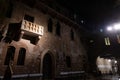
57 46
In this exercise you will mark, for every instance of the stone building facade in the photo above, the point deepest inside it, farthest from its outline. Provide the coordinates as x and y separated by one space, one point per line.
40 42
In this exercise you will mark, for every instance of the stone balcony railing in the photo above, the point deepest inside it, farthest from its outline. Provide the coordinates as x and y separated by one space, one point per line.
32 27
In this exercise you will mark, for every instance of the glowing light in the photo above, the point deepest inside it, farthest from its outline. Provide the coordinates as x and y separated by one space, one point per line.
101 30
82 21
115 61
114 27
117 26
109 28
109 60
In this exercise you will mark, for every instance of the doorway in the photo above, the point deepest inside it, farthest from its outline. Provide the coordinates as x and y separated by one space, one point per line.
48 67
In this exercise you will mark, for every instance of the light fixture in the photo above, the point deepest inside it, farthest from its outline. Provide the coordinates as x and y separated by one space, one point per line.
109 60
115 61
117 26
114 27
109 28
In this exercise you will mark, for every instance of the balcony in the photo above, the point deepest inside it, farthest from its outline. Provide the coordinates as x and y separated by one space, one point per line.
32 28
26 30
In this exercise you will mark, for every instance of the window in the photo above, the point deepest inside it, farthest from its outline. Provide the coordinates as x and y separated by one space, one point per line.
9 55
31 3
50 25
118 38
29 18
68 61
58 29
9 10
72 35
21 56
1 36
107 41
13 33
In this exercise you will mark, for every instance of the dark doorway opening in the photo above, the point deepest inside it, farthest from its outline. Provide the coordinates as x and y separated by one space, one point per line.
47 67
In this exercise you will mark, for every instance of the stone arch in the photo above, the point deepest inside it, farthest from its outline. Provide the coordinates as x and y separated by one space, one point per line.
104 65
49 58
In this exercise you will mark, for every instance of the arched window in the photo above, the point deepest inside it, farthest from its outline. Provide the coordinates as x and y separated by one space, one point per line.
58 29
21 56
50 25
9 10
72 35
68 61
9 55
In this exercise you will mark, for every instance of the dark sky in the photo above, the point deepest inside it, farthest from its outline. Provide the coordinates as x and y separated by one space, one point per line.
96 13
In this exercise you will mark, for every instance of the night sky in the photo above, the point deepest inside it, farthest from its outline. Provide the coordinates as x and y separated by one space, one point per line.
95 13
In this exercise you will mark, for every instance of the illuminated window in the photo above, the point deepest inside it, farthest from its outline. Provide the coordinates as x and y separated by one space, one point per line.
107 41
21 56
118 38
9 55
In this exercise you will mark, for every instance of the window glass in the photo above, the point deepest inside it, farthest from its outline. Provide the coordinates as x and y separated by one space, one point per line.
21 56
9 55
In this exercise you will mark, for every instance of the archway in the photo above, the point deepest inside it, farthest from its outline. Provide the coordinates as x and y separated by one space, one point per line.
107 65
47 68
